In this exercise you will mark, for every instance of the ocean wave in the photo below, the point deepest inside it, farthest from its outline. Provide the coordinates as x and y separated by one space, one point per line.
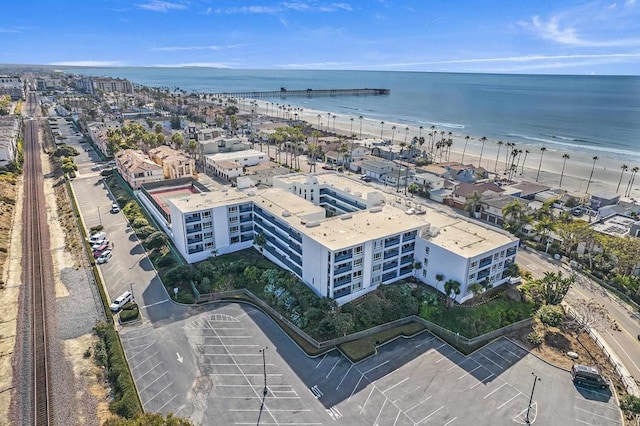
448 125
567 138
622 153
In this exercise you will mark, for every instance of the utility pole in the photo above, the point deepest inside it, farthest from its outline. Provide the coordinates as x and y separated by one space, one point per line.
264 369
535 379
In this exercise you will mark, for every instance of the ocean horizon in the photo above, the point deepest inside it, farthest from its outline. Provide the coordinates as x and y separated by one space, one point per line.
598 115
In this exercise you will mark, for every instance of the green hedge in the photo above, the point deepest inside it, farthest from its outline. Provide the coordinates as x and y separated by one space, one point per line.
129 312
125 398
358 350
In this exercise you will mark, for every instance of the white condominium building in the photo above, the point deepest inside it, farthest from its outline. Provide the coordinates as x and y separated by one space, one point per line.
341 237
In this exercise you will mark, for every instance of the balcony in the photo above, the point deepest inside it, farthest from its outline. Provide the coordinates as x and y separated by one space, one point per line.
192 218
406 270
484 273
246 228
342 281
390 265
484 262
408 248
246 237
342 257
193 229
391 242
325 200
389 276
391 253
246 218
245 209
342 292
342 270
343 199
409 237
197 249
406 259
512 251
194 240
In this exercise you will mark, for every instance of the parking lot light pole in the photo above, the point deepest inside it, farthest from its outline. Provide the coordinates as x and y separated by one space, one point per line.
535 379
264 369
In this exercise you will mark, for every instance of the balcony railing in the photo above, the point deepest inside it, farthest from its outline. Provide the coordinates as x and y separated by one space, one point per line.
343 257
484 263
484 273
408 248
512 251
391 253
390 265
392 242
389 276
191 219
194 230
342 270
406 259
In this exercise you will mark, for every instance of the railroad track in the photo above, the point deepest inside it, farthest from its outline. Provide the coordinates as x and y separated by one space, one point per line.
35 272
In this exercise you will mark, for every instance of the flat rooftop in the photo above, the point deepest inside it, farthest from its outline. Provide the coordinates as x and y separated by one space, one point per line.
208 200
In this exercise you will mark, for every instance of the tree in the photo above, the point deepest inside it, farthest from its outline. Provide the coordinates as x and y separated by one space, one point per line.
483 140
595 158
632 179
150 419
178 140
5 102
466 141
473 203
413 188
515 216
451 289
554 287
439 278
476 289
565 157
176 122
381 128
630 404
542 151
193 146
495 166
156 240
524 160
158 128
260 241
550 315
624 169
589 315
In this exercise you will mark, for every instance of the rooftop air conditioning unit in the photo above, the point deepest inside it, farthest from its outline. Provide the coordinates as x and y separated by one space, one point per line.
286 213
434 231
377 209
347 190
410 211
346 216
358 194
312 224
224 190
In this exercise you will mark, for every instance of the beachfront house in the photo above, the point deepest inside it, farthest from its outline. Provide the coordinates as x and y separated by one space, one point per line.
136 168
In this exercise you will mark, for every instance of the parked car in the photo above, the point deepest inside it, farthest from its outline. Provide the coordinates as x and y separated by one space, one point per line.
99 244
104 257
99 236
328 167
115 208
99 250
120 301
365 178
588 376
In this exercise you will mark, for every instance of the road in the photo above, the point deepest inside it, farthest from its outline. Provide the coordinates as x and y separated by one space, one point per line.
624 342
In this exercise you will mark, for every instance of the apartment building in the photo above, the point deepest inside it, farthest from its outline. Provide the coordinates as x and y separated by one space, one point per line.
175 164
340 237
9 132
12 86
136 168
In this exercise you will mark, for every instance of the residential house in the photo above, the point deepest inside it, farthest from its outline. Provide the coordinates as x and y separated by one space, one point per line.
175 164
136 168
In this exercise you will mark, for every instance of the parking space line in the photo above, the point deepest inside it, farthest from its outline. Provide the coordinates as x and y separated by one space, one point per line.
157 378
492 362
325 355
517 395
598 403
260 364
355 387
233 337
124 340
142 350
499 356
598 415
397 384
147 359
578 420
229 346
165 404
429 416
406 394
154 396
245 374
426 399
456 364
152 368
495 390
371 369
345 376
267 423
424 343
450 421
442 359
367 400
257 397
154 304
380 412
397 417
273 409
482 381
513 353
332 368
468 372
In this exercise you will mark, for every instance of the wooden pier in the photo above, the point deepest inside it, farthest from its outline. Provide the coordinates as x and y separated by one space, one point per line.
307 93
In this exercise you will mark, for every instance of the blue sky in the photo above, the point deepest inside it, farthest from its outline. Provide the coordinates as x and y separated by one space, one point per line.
524 36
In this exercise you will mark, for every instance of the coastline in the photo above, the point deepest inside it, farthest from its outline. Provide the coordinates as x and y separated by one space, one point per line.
606 174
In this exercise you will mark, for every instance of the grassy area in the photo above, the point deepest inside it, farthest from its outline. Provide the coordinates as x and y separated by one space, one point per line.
362 348
471 322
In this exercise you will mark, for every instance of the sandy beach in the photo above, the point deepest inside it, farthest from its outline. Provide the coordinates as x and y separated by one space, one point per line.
606 174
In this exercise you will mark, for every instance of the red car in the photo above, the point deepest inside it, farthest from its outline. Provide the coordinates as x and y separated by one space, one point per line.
99 250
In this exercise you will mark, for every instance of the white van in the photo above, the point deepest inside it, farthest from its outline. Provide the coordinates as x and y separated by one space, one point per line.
97 237
120 301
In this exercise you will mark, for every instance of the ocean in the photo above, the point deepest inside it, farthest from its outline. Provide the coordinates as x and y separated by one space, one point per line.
599 115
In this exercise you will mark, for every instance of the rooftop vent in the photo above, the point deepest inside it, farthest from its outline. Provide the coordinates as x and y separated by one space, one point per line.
358 194
376 210
346 216
224 190
312 224
286 213
347 190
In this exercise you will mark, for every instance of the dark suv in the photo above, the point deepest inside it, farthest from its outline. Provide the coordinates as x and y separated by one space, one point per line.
588 376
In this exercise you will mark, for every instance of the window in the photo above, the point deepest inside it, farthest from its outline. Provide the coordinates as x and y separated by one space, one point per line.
233 209
235 240
376 279
207 235
426 250
425 263
208 245
377 267
424 273
206 225
357 274
206 215
501 254
377 256
357 262
495 256
471 276
234 229
474 265
358 250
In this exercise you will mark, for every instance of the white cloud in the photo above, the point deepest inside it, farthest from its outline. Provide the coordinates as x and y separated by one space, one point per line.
89 63
554 31
297 6
321 65
161 6
9 30
630 3
198 64
250 10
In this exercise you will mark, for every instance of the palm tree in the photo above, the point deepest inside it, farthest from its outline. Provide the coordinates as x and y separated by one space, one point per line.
452 289
542 150
381 128
313 151
360 118
483 140
513 166
595 158
632 179
565 157
624 169
495 166
393 133
466 141
515 216
406 133
420 134
473 203
506 154
344 149
524 160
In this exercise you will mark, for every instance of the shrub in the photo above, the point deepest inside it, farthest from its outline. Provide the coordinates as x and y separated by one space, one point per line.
129 312
165 261
534 338
550 315
630 404
140 222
